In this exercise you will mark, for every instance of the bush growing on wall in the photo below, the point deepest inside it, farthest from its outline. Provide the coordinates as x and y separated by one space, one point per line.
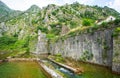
42 28
116 32
59 57
117 21
86 56
86 22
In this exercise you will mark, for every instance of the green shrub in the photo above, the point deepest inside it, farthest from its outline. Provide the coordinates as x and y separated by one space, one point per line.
50 36
116 32
117 21
89 14
86 56
54 13
86 22
22 43
73 24
61 19
59 58
42 28
72 34
104 24
58 55
56 28
6 40
95 27
34 21
116 54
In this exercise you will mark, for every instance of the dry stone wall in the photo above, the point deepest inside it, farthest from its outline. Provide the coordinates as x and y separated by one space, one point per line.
91 47
99 47
116 54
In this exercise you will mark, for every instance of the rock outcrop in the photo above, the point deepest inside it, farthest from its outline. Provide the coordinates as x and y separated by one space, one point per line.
42 43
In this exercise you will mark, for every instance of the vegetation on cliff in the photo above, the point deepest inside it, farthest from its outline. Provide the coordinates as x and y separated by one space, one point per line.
19 30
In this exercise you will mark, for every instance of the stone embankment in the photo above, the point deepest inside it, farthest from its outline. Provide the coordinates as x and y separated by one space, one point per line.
77 71
50 71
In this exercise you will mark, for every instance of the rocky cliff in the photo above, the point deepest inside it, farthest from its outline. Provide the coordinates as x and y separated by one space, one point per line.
42 46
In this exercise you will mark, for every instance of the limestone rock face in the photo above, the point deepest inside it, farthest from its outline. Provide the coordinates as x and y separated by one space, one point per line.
42 43
3 28
64 30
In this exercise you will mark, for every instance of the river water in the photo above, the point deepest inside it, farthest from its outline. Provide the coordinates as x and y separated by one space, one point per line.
90 71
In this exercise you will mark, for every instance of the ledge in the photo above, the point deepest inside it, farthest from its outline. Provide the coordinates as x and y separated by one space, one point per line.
76 71
52 73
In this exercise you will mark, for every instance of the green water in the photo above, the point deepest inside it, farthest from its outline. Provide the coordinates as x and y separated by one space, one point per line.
21 70
90 71
33 70
93 71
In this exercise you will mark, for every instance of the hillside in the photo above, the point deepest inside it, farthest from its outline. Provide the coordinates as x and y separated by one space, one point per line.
6 13
19 31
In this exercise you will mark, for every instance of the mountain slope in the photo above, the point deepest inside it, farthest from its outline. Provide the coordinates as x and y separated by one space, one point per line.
6 13
4 10
23 27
